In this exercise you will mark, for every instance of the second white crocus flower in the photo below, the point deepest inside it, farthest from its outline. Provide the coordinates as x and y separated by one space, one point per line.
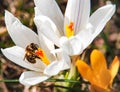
32 52
77 29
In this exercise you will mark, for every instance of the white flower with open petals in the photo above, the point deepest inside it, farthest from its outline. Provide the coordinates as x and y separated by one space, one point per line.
74 32
32 52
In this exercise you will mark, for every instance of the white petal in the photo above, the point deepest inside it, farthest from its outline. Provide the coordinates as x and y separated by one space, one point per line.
100 17
71 46
30 78
50 9
66 46
66 60
39 15
47 27
16 54
76 44
62 56
55 67
21 35
77 11
47 46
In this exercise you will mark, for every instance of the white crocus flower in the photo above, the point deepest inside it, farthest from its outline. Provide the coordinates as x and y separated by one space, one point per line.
46 64
77 29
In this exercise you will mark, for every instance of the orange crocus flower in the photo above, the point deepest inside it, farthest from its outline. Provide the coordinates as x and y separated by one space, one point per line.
98 74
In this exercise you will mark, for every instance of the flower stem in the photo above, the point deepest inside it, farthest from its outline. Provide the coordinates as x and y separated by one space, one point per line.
72 76
15 80
62 80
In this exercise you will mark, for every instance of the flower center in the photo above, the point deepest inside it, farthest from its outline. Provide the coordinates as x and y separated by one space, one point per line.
33 52
41 54
70 30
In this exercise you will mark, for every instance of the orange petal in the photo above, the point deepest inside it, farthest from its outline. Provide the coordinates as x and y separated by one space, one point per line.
84 70
95 88
114 67
98 62
103 78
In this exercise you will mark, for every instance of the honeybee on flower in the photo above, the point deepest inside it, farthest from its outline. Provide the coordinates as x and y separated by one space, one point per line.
33 52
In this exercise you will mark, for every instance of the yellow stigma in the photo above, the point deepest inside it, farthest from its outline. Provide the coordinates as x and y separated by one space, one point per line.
70 30
41 54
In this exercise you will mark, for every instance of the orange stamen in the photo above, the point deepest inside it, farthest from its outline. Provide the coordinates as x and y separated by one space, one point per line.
70 30
71 26
41 54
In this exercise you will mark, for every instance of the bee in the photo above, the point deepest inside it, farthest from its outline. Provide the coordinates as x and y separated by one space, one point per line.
30 55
